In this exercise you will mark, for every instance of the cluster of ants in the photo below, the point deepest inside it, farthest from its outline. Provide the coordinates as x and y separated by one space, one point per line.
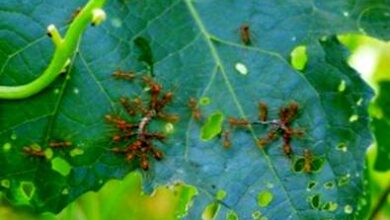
281 127
136 139
40 153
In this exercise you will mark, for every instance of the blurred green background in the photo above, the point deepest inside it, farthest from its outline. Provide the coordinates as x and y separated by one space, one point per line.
125 200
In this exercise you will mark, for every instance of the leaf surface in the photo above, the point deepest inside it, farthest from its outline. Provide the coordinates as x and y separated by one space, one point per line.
195 48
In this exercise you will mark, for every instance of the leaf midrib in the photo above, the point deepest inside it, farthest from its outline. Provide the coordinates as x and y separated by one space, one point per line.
215 55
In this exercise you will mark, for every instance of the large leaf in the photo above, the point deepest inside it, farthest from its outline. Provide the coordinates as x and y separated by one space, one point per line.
195 52
381 126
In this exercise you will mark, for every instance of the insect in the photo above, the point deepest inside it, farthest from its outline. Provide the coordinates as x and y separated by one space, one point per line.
238 122
34 152
129 106
167 97
118 150
168 117
74 14
308 161
157 154
54 144
155 90
120 123
271 136
116 138
135 134
226 139
245 34
144 163
287 114
287 150
130 156
193 105
156 135
135 145
120 74
263 111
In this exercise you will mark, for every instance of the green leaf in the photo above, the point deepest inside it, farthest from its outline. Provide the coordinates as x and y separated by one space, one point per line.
194 51
381 125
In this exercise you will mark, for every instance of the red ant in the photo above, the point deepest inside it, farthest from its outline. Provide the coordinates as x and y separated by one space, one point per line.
226 139
74 14
60 144
144 163
287 150
196 114
34 152
119 74
158 136
308 161
263 112
245 34
237 122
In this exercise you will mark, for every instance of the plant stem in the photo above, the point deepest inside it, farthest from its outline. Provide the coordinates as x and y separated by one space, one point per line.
63 52
382 202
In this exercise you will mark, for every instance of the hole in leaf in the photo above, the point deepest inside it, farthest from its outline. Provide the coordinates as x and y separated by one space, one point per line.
241 68
348 209
299 164
48 153
359 102
330 206
311 185
7 147
342 86
145 52
264 198
343 180
5 183
65 191
256 215
353 118
28 189
231 215
76 152
61 166
212 127
204 100
342 147
329 185
14 136
299 58
221 195
169 128
315 201
211 211
317 164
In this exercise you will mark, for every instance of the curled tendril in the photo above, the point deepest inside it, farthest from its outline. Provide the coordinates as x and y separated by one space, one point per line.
65 47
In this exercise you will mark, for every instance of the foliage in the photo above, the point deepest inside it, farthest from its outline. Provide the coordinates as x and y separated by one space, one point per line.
192 50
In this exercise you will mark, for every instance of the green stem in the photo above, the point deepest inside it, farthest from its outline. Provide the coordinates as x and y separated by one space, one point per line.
63 52
380 204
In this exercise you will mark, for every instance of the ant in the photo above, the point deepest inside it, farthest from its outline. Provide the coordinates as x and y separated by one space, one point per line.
193 105
287 150
34 152
308 161
271 136
237 122
245 34
119 74
263 111
74 15
226 139
141 139
54 144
